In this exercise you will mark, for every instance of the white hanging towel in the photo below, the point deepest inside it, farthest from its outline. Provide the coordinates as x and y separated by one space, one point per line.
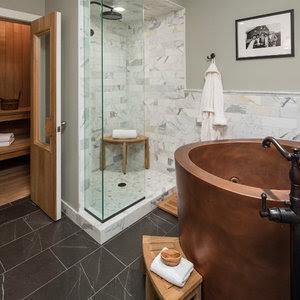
212 105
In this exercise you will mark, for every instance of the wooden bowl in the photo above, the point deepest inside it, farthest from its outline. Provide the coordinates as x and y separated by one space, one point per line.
170 257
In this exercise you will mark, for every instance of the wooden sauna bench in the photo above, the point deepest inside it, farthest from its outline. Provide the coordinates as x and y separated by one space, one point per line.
14 179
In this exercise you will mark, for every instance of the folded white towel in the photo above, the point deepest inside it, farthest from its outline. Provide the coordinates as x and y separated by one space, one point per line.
6 137
124 134
176 275
8 143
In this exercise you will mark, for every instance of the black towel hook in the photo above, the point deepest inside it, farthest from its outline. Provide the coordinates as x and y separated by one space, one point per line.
211 56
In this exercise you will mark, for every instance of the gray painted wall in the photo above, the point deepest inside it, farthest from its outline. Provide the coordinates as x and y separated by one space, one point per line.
210 27
30 6
70 70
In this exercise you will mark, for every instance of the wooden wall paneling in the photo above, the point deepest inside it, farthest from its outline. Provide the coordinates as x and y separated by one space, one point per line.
9 56
2 58
26 58
19 127
15 61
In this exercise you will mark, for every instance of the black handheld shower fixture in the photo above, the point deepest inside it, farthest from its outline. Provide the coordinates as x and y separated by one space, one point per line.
109 15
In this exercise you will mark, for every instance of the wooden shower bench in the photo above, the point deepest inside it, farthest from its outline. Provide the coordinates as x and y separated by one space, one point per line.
140 139
155 285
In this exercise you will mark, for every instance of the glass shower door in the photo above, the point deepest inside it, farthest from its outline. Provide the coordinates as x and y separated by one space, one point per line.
114 93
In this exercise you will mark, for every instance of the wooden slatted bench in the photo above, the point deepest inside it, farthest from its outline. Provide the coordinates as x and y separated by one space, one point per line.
155 285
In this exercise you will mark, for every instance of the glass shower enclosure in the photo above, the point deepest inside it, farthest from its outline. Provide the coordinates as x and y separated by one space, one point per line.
114 99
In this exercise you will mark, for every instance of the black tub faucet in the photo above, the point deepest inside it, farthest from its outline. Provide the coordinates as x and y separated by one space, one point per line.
294 158
289 215
266 143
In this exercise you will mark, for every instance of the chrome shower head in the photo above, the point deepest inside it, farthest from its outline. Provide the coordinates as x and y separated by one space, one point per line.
108 15
111 15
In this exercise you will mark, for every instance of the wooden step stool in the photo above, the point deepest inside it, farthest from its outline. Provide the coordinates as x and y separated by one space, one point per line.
155 285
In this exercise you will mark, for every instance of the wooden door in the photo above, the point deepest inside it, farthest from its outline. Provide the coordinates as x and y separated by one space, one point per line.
45 118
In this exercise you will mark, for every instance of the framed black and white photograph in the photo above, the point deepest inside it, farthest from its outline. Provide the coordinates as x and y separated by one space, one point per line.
265 36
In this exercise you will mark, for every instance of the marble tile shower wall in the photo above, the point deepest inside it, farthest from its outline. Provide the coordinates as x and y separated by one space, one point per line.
166 125
249 115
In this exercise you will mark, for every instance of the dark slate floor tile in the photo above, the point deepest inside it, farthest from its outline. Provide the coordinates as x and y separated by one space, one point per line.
4 206
158 224
130 284
18 210
13 230
37 220
31 244
23 248
31 275
174 232
127 246
17 202
100 267
1 271
74 248
168 217
2 286
72 284
56 231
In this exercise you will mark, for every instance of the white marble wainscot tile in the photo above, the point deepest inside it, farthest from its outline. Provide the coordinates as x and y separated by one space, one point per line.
249 115
256 115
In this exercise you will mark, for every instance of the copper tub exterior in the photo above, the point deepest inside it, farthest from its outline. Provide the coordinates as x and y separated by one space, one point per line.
239 254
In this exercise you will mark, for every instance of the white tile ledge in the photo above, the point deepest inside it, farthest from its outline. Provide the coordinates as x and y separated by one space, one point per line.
102 232
280 93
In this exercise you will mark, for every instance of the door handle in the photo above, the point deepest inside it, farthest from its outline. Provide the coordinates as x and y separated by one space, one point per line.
62 126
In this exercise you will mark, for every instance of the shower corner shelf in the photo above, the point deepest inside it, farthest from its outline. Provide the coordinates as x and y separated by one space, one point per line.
22 113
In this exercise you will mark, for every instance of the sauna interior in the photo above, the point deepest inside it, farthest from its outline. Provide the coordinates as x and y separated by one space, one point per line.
15 46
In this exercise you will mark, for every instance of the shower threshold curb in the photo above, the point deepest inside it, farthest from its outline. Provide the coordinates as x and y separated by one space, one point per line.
102 232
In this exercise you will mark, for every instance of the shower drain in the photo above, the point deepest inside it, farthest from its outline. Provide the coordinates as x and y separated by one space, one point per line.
234 179
121 184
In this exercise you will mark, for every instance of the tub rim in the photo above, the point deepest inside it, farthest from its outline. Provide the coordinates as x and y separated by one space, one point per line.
183 159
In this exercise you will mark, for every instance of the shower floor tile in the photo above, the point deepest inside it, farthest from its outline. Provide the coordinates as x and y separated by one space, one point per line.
139 184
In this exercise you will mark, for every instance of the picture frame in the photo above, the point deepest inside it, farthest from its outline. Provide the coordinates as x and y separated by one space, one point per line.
265 36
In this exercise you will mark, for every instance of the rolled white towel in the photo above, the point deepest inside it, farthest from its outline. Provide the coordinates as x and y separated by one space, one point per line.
6 137
176 275
124 134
